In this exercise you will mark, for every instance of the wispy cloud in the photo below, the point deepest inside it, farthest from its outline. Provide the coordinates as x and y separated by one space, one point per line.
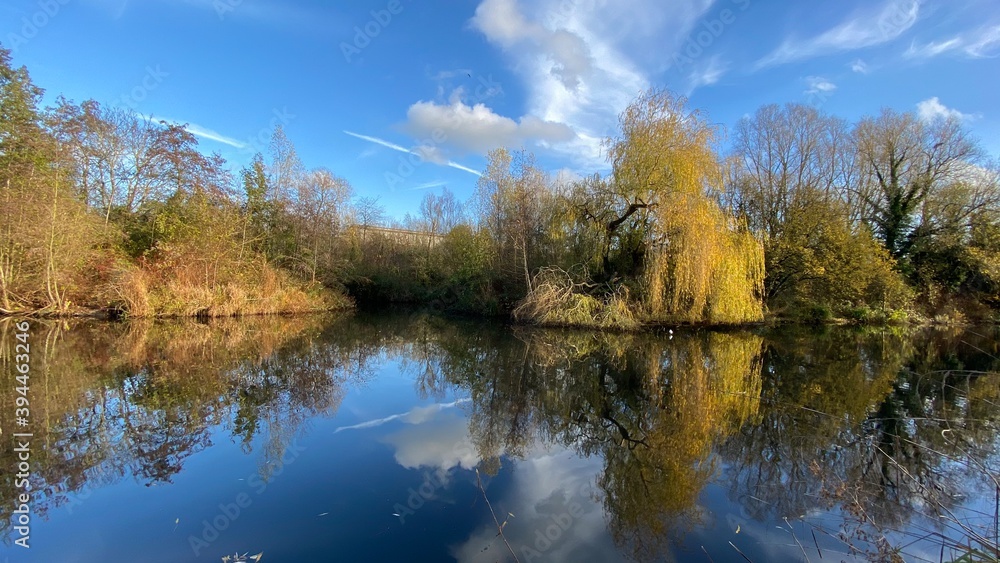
708 74
417 153
866 29
859 66
429 185
211 135
417 415
985 43
932 49
582 62
980 43
378 141
202 132
819 85
458 166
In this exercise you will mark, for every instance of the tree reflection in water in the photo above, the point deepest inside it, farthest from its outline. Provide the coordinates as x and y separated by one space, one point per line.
887 429
894 432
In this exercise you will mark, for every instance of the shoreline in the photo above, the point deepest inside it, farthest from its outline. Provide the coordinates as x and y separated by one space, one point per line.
111 314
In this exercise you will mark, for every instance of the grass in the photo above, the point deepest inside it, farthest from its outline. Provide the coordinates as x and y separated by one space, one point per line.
141 293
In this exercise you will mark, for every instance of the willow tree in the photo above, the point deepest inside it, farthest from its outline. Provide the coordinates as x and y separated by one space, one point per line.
700 265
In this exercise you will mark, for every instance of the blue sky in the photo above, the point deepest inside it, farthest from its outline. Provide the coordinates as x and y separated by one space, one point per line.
358 84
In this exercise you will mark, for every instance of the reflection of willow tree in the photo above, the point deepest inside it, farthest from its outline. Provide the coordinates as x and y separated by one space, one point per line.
700 390
116 400
650 407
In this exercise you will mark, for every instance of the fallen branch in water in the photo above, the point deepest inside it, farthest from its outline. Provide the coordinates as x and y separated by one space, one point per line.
495 520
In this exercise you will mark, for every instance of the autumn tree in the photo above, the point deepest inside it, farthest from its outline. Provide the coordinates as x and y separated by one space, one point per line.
441 213
320 205
791 177
906 161
258 212
46 236
787 156
507 204
702 265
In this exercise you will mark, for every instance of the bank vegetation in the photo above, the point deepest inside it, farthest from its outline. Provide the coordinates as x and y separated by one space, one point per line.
791 214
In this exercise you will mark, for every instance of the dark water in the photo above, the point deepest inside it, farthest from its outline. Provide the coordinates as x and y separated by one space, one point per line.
398 438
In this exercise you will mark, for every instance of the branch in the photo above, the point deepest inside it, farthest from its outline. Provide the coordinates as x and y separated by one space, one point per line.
632 210
495 520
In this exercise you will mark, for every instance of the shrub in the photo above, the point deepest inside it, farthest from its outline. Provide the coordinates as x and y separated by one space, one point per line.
556 300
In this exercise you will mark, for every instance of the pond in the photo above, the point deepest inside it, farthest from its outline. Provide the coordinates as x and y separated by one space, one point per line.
408 437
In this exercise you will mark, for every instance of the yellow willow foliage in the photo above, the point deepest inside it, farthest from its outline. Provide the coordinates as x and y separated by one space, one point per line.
703 390
736 376
699 268
705 270
663 148
715 385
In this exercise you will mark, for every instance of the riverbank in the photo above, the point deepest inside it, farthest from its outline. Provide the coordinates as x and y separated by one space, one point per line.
138 294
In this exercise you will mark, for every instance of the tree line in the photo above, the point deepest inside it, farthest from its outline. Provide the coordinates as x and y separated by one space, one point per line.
804 215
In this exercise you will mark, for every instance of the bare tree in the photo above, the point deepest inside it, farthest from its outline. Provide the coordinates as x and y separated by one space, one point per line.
321 203
784 155
441 213
905 161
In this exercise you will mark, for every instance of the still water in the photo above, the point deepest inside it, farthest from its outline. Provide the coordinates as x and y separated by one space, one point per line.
408 437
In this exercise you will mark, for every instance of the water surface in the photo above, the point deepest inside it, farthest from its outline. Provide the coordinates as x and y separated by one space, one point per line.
413 438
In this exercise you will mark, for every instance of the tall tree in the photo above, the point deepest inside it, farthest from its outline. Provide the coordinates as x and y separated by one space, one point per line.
507 201
286 169
441 213
702 265
786 156
257 212
905 161
45 234
321 204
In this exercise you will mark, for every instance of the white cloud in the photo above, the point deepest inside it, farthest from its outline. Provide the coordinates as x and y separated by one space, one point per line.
440 442
932 110
565 177
890 21
708 74
211 135
583 61
985 43
859 66
429 185
553 492
819 85
503 23
932 49
416 415
477 129
978 44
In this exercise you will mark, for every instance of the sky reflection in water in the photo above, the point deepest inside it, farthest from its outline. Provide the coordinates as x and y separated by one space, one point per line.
360 438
